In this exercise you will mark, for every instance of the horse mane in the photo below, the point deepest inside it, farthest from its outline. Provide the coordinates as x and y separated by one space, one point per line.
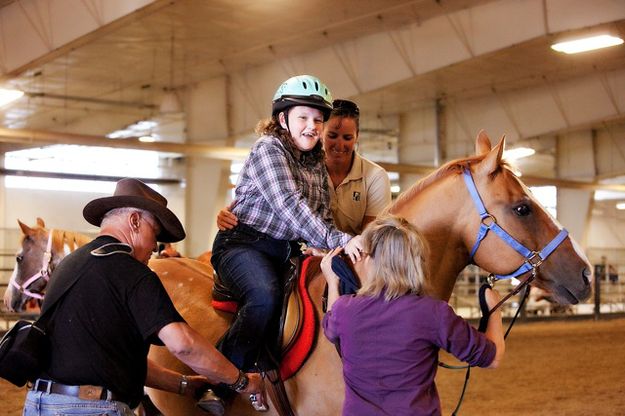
456 166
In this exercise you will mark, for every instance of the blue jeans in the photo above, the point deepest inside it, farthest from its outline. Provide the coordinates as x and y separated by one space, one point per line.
251 265
40 403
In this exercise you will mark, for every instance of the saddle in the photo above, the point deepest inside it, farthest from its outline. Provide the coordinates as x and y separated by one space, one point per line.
298 321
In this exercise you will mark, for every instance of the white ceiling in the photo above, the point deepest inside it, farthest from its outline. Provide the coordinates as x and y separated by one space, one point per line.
120 71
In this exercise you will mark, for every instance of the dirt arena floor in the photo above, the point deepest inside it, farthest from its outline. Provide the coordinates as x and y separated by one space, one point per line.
565 368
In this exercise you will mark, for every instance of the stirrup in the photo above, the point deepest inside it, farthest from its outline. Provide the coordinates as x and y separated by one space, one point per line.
259 402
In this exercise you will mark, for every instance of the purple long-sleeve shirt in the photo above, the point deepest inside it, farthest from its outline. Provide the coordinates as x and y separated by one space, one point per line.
390 351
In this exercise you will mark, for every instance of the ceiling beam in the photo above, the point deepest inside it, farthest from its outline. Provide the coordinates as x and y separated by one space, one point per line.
48 138
84 177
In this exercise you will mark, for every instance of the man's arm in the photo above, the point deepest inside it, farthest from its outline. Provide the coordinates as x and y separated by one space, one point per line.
165 379
191 348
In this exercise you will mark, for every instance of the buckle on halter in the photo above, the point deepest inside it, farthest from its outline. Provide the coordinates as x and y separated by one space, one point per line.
534 260
487 216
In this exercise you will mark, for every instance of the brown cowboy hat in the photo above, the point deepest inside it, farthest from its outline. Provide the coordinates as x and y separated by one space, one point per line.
131 192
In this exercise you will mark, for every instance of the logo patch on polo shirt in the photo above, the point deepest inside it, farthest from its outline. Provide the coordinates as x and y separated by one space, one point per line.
356 196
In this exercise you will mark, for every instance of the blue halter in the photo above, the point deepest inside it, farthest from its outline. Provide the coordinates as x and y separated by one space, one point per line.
533 259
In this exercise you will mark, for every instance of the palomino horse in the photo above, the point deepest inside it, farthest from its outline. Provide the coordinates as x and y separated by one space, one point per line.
458 230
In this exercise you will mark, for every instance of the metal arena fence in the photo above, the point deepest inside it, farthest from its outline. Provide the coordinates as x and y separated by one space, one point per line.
608 291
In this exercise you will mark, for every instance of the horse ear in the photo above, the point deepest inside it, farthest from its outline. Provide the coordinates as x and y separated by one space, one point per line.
25 228
41 223
491 162
482 143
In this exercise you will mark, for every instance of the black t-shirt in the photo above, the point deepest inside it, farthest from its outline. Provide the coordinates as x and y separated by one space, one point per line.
102 328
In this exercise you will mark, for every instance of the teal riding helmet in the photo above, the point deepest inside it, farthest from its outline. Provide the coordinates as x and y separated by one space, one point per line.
302 90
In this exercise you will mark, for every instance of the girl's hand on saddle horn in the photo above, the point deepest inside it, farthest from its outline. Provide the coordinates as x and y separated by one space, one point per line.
326 266
313 251
354 248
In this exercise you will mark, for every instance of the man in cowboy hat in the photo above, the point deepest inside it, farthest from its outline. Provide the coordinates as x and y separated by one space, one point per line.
111 307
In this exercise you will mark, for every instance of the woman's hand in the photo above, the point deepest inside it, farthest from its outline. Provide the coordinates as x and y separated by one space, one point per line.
331 277
492 298
354 248
226 220
326 266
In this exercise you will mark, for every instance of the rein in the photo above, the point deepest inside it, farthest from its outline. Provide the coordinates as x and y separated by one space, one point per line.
532 260
44 273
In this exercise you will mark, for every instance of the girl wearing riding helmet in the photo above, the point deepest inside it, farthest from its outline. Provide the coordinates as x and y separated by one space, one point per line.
280 199
359 188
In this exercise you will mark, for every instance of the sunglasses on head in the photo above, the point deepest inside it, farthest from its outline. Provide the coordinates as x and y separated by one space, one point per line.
346 106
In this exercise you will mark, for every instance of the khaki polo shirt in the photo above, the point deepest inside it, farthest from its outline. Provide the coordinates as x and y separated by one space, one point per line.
365 191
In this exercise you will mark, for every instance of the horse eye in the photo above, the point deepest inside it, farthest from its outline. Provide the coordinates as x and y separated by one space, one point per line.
522 210
19 258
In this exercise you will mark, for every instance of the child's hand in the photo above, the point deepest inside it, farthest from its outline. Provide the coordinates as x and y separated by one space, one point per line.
314 251
354 248
326 266
226 220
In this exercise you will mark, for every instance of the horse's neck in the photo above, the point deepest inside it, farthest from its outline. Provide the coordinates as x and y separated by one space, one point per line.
441 220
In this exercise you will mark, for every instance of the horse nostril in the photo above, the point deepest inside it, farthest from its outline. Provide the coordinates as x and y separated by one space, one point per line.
586 276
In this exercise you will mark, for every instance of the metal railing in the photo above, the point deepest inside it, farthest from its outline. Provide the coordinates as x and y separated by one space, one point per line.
608 296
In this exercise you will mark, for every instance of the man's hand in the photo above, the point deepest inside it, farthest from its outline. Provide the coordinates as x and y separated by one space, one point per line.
256 384
195 384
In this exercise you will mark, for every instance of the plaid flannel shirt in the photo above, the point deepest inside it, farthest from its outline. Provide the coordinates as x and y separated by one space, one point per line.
285 203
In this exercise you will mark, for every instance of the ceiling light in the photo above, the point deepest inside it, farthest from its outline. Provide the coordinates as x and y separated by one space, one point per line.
137 129
620 205
518 153
587 44
7 96
147 139
120 134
